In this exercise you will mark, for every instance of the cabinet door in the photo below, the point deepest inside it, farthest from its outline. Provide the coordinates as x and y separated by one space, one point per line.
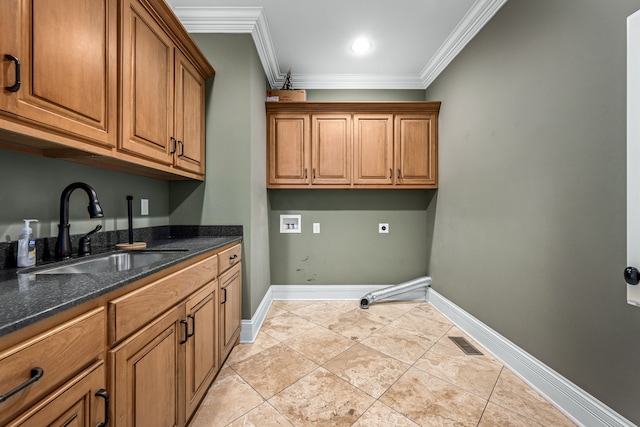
331 149
289 146
230 309
373 149
202 346
416 151
145 372
80 402
147 85
189 116
67 52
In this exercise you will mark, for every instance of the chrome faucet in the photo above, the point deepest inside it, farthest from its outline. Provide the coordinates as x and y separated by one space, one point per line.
63 244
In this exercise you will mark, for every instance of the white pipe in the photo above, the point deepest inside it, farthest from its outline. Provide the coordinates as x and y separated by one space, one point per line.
371 297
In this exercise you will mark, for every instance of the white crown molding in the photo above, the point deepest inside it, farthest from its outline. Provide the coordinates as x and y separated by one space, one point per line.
251 20
476 18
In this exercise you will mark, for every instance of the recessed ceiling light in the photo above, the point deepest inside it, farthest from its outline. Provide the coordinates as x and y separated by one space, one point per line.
361 46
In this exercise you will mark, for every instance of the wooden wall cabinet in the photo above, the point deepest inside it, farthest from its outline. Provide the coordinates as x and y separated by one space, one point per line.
68 57
71 103
352 145
163 94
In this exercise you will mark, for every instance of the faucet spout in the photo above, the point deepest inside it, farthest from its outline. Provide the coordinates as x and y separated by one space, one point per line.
63 244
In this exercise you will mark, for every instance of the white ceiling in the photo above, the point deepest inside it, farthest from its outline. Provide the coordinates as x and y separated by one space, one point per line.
413 40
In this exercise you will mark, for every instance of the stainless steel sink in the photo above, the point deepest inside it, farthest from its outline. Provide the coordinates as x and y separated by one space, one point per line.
114 262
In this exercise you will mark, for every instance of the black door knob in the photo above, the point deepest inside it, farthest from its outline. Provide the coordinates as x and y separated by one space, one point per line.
631 275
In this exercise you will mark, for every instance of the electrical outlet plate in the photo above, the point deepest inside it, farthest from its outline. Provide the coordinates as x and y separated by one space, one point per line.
144 206
316 227
383 228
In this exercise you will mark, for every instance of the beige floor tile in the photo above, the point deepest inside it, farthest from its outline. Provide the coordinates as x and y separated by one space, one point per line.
514 394
263 416
434 314
289 305
495 415
398 343
472 373
444 387
285 325
355 324
367 369
228 398
319 344
244 351
274 369
430 401
418 322
321 399
380 414
322 312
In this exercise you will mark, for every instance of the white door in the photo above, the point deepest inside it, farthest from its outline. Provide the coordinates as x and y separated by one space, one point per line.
633 159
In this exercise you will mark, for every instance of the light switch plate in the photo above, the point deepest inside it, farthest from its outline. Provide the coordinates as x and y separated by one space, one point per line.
316 227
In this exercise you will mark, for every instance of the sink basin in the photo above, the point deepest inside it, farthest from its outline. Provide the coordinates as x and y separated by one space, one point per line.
110 263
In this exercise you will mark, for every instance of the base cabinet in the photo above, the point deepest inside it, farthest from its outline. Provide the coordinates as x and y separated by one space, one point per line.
82 402
160 371
201 362
145 373
230 309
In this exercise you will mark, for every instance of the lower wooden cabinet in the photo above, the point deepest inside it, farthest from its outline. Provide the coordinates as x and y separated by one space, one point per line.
201 362
40 369
230 309
164 343
82 402
145 372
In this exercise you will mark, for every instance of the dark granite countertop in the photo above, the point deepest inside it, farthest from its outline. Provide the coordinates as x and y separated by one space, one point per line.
26 298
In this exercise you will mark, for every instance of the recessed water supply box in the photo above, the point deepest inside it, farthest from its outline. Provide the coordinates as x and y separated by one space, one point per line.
290 224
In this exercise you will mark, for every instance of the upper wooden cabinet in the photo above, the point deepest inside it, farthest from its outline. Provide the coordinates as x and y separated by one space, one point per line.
289 155
111 83
59 66
163 94
352 145
331 148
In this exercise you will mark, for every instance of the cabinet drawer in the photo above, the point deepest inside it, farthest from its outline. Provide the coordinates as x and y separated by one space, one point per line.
228 258
60 352
135 309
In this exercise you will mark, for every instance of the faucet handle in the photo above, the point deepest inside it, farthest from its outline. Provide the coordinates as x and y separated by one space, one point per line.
84 245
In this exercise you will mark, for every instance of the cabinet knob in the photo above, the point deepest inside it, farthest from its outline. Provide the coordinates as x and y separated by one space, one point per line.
631 275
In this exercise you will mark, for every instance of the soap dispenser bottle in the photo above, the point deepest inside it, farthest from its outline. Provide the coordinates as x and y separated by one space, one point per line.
27 246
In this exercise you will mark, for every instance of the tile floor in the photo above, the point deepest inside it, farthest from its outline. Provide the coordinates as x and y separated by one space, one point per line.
330 363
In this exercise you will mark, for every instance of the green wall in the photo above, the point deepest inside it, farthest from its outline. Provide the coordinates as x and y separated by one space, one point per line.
33 185
349 249
235 188
529 220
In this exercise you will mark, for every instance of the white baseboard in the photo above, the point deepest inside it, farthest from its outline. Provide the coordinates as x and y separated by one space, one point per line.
578 405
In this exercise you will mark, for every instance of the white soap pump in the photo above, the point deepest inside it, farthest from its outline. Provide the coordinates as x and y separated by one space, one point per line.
27 246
